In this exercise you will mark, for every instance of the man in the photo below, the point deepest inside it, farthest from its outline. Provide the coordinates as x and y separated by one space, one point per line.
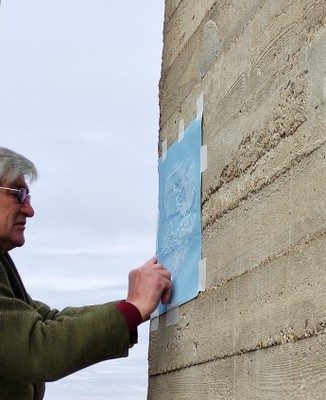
38 344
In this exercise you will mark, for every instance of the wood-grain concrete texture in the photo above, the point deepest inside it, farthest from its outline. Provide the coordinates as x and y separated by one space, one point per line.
295 371
258 331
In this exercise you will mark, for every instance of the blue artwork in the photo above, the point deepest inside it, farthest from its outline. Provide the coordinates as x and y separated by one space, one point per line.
179 229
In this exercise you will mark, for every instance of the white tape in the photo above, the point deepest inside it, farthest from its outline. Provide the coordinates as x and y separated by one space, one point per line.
154 324
181 130
200 107
155 314
164 149
202 275
203 158
172 316
155 321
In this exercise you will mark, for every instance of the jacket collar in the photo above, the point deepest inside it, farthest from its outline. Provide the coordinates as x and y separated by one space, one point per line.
16 283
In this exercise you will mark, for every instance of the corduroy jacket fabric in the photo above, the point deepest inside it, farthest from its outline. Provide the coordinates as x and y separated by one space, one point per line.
38 344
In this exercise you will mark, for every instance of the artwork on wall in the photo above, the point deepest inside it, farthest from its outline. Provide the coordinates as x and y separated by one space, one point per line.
179 228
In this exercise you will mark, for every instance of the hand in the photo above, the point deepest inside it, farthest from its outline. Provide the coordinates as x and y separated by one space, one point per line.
147 286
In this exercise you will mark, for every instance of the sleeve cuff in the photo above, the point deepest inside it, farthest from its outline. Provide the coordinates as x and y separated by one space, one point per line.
131 313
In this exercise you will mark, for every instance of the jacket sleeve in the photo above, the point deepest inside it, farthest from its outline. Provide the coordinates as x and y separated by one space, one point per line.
38 344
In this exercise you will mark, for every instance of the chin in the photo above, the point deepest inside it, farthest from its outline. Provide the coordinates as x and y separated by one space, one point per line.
18 243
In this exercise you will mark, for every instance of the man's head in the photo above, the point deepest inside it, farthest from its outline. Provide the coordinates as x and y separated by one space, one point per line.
15 208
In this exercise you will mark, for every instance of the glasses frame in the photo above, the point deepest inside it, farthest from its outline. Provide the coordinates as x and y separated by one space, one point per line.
21 194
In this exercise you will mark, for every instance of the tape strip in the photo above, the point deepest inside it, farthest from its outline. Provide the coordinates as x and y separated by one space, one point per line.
202 275
155 321
181 130
203 158
164 149
200 107
172 316
155 314
154 325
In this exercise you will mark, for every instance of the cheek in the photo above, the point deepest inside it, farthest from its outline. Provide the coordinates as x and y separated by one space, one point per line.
8 216
5 230
10 220
3 220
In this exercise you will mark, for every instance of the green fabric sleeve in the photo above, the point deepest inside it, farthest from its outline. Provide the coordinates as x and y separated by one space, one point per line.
38 344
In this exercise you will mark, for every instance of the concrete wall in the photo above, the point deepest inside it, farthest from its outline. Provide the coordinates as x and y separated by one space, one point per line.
258 331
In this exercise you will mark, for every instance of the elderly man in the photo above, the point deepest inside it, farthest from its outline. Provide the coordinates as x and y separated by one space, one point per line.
38 344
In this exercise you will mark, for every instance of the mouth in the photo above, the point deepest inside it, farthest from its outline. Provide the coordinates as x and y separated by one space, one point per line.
20 224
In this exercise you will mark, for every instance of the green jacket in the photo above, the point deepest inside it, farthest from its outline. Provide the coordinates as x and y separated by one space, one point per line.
38 344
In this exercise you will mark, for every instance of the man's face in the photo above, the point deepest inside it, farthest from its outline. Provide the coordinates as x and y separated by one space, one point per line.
13 216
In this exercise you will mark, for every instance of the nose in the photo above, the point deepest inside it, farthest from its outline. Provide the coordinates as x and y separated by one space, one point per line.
27 209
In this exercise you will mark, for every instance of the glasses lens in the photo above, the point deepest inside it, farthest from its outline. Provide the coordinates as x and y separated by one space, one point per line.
22 195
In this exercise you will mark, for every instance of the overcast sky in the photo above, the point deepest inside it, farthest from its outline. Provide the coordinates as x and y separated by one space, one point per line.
79 97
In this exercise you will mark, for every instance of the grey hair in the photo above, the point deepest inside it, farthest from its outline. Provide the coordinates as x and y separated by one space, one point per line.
14 166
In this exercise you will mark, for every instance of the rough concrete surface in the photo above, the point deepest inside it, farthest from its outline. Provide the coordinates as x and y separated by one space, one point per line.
170 7
277 301
187 16
258 331
294 371
246 51
269 222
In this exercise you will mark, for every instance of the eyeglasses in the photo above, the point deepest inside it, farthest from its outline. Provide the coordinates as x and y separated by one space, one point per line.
21 194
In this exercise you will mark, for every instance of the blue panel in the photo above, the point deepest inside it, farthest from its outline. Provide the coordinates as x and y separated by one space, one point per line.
179 230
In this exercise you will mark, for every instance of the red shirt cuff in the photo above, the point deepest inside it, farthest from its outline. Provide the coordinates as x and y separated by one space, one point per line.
131 313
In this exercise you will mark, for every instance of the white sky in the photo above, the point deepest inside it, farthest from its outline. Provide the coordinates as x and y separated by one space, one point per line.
79 97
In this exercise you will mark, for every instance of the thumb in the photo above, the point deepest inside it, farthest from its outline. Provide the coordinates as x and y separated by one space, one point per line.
166 294
154 259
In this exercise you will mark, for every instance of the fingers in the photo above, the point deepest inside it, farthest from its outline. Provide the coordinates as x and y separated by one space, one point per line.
167 293
163 271
167 290
154 259
148 285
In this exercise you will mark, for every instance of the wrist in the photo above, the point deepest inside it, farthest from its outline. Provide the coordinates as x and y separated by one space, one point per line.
131 314
143 310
